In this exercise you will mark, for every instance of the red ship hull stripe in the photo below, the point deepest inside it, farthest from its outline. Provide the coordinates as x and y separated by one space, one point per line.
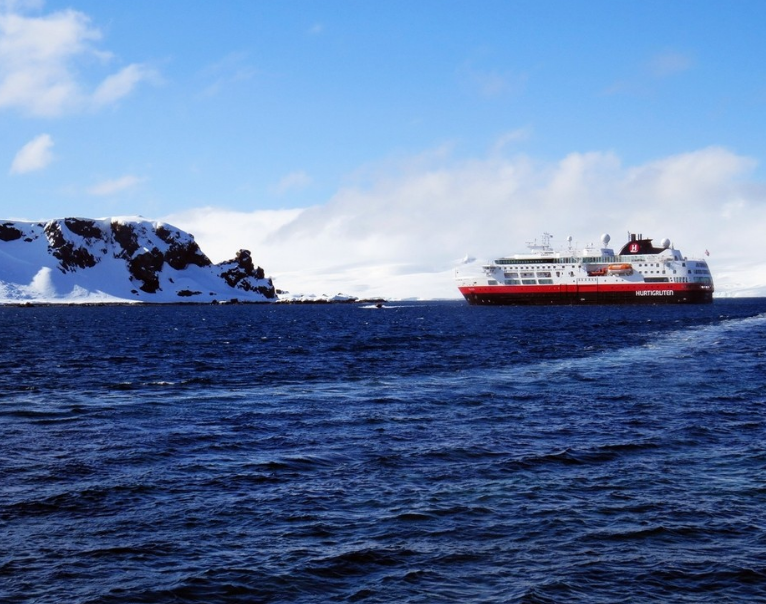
589 288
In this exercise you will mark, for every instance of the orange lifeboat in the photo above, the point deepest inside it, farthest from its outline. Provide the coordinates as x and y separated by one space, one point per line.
620 269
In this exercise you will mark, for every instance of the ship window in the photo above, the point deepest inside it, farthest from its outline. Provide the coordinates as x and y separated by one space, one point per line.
546 281
528 281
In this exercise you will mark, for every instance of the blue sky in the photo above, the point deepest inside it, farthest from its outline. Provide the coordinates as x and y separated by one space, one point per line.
370 141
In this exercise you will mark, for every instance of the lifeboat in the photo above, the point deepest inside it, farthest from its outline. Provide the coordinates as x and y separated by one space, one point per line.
620 269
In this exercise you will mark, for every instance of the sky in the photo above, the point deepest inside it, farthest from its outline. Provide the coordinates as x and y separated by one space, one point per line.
366 148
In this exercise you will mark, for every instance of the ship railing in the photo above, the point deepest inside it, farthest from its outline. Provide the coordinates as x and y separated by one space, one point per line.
585 259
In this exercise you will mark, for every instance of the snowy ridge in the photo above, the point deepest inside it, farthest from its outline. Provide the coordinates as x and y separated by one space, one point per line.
118 260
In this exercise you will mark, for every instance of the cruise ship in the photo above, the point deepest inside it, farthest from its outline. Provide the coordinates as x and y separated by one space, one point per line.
639 274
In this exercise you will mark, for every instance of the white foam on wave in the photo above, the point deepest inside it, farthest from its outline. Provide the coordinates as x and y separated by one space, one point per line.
674 348
631 366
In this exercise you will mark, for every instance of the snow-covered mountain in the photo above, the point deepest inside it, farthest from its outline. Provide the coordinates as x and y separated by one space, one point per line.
80 260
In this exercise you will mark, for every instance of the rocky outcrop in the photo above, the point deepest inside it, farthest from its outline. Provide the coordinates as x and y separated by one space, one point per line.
158 262
181 252
125 237
71 255
243 274
84 228
8 232
145 267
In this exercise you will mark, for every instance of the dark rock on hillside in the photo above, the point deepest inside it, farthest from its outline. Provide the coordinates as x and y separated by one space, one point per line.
71 257
8 232
84 228
125 236
145 267
239 271
181 254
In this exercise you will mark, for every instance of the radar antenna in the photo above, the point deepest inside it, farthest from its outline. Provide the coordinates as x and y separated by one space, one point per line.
544 247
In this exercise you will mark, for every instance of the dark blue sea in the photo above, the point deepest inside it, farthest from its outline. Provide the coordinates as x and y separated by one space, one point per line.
418 453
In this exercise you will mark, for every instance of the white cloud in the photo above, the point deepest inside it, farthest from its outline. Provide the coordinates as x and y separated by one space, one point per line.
659 67
41 59
122 83
110 187
35 155
294 181
20 5
400 235
232 69
512 137
243 229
